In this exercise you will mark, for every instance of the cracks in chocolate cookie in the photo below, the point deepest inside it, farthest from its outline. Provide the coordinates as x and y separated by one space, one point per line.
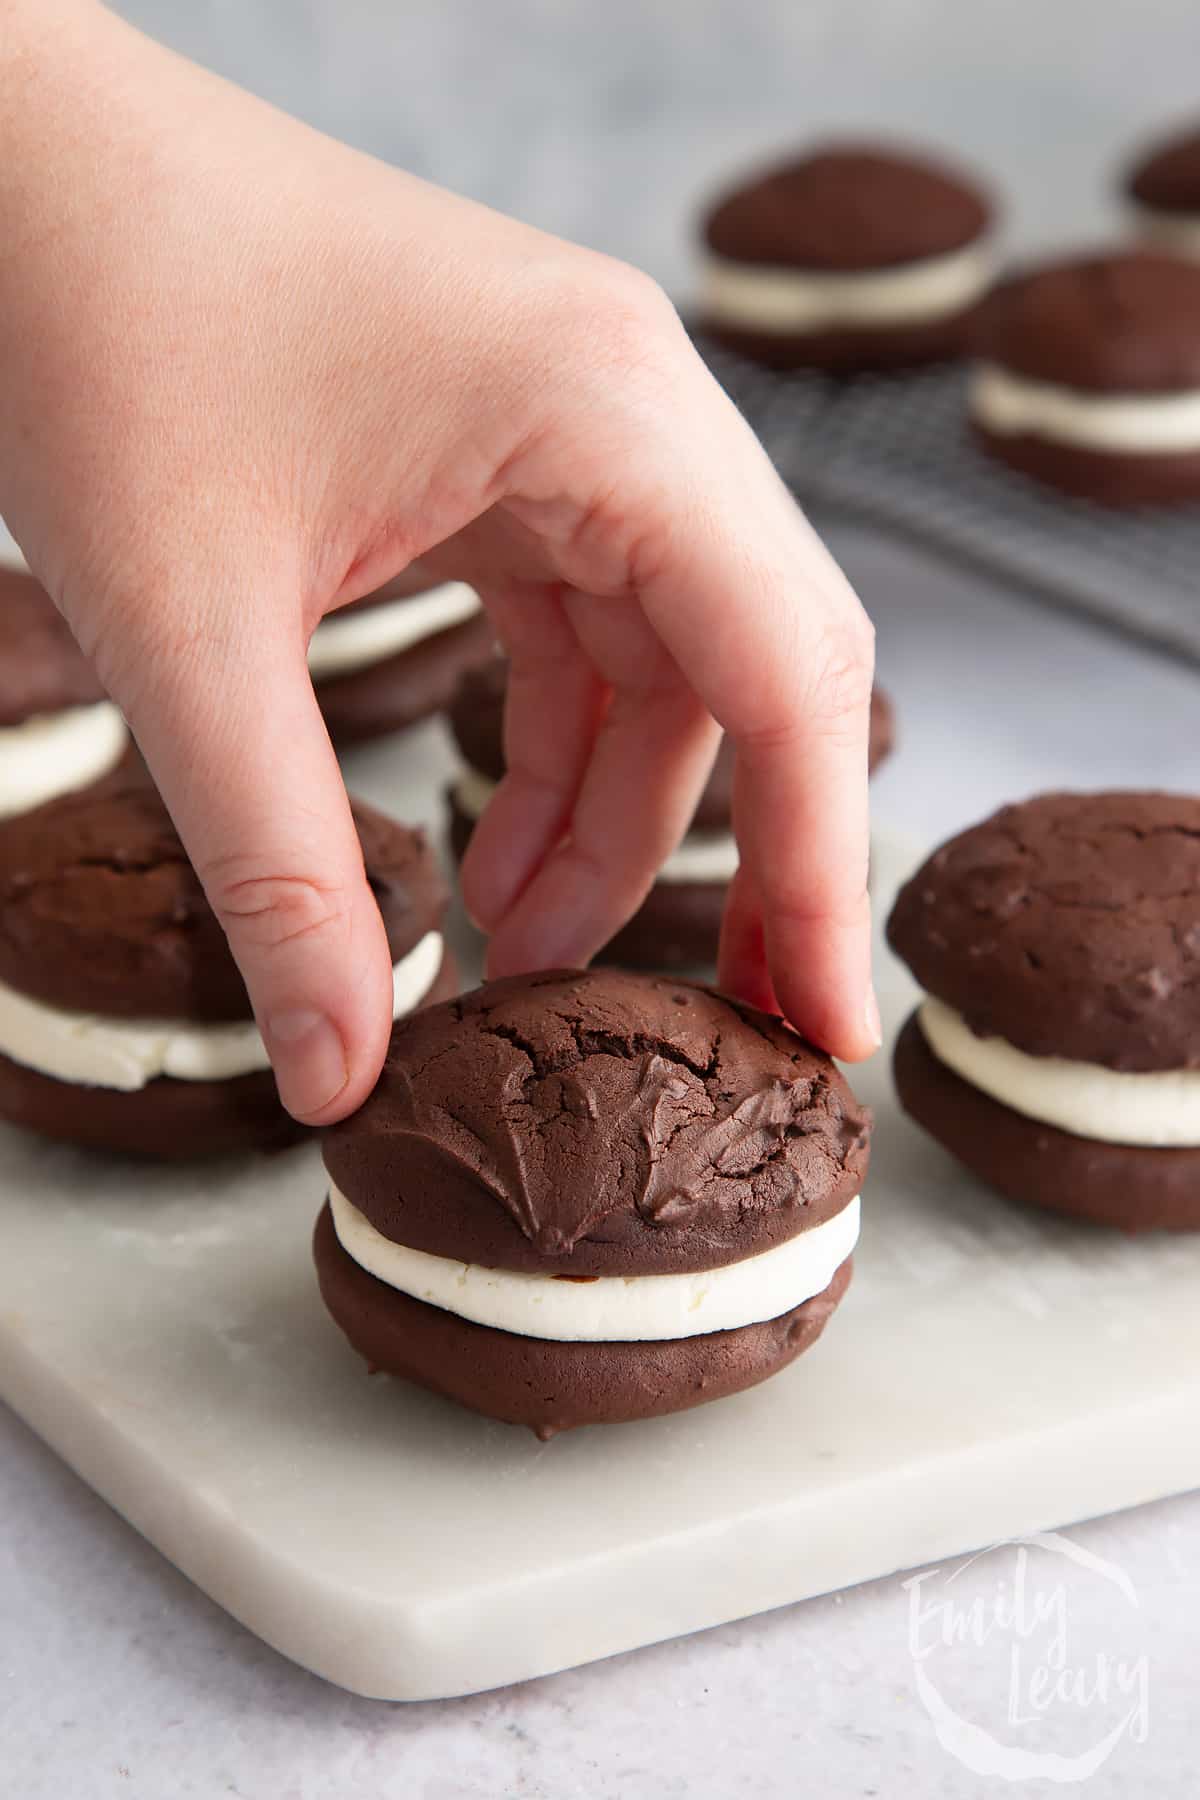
1069 925
101 910
602 1107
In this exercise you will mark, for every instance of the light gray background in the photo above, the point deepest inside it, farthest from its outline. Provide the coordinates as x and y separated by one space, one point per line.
608 123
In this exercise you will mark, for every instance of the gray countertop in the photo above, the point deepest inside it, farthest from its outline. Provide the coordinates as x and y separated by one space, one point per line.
117 1678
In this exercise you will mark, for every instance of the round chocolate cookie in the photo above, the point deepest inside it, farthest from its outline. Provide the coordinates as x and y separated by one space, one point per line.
1164 187
58 730
853 256
586 1196
1057 1052
678 925
1088 377
124 1023
387 661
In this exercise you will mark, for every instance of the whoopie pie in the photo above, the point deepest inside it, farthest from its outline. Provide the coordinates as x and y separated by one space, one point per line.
124 1023
584 1197
1057 1050
850 256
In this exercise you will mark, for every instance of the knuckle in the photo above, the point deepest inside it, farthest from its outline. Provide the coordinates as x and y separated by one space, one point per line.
843 673
265 911
637 297
842 902
628 317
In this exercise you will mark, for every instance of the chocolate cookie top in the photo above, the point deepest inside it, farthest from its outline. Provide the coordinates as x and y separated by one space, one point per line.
101 911
42 669
1069 925
848 207
599 1123
1124 322
1167 177
476 720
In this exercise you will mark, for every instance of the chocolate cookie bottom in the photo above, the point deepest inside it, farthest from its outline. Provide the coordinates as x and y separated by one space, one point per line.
168 1120
405 688
677 927
1107 477
846 352
1129 1186
539 1382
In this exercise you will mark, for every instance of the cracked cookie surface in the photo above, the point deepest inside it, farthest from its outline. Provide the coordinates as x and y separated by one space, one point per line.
1069 925
600 1123
101 911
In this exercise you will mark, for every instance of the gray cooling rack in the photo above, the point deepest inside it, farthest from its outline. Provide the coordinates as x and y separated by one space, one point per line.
893 451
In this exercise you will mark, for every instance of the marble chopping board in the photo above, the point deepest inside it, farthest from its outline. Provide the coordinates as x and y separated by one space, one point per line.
990 1373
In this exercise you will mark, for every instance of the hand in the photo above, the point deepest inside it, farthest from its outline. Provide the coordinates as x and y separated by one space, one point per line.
250 375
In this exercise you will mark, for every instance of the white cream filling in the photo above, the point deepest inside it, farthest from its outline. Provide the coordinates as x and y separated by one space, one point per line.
1179 232
1160 1109
1147 424
764 298
127 1053
703 856
348 641
472 793
612 1308
56 753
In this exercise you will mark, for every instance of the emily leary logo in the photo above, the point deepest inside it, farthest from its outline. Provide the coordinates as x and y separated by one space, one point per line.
1004 1626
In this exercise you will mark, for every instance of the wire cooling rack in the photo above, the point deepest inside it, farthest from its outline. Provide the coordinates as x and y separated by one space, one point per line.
893 450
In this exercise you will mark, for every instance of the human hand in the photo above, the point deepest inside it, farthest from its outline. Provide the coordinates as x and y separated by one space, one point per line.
251 375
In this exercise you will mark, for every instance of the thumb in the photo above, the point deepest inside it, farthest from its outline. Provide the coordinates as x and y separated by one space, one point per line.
232 735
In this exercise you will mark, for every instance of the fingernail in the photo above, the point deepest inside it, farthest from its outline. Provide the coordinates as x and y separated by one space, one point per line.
484 921
309 1059
873 1022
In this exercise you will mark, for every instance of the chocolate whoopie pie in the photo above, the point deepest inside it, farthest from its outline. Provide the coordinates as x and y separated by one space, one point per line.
1164 188
1088 377
124 1023
58 729
853 256
1057 1051
578 1198
678 924
393 658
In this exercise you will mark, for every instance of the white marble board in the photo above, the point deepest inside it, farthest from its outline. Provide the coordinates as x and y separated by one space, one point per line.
989 1373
